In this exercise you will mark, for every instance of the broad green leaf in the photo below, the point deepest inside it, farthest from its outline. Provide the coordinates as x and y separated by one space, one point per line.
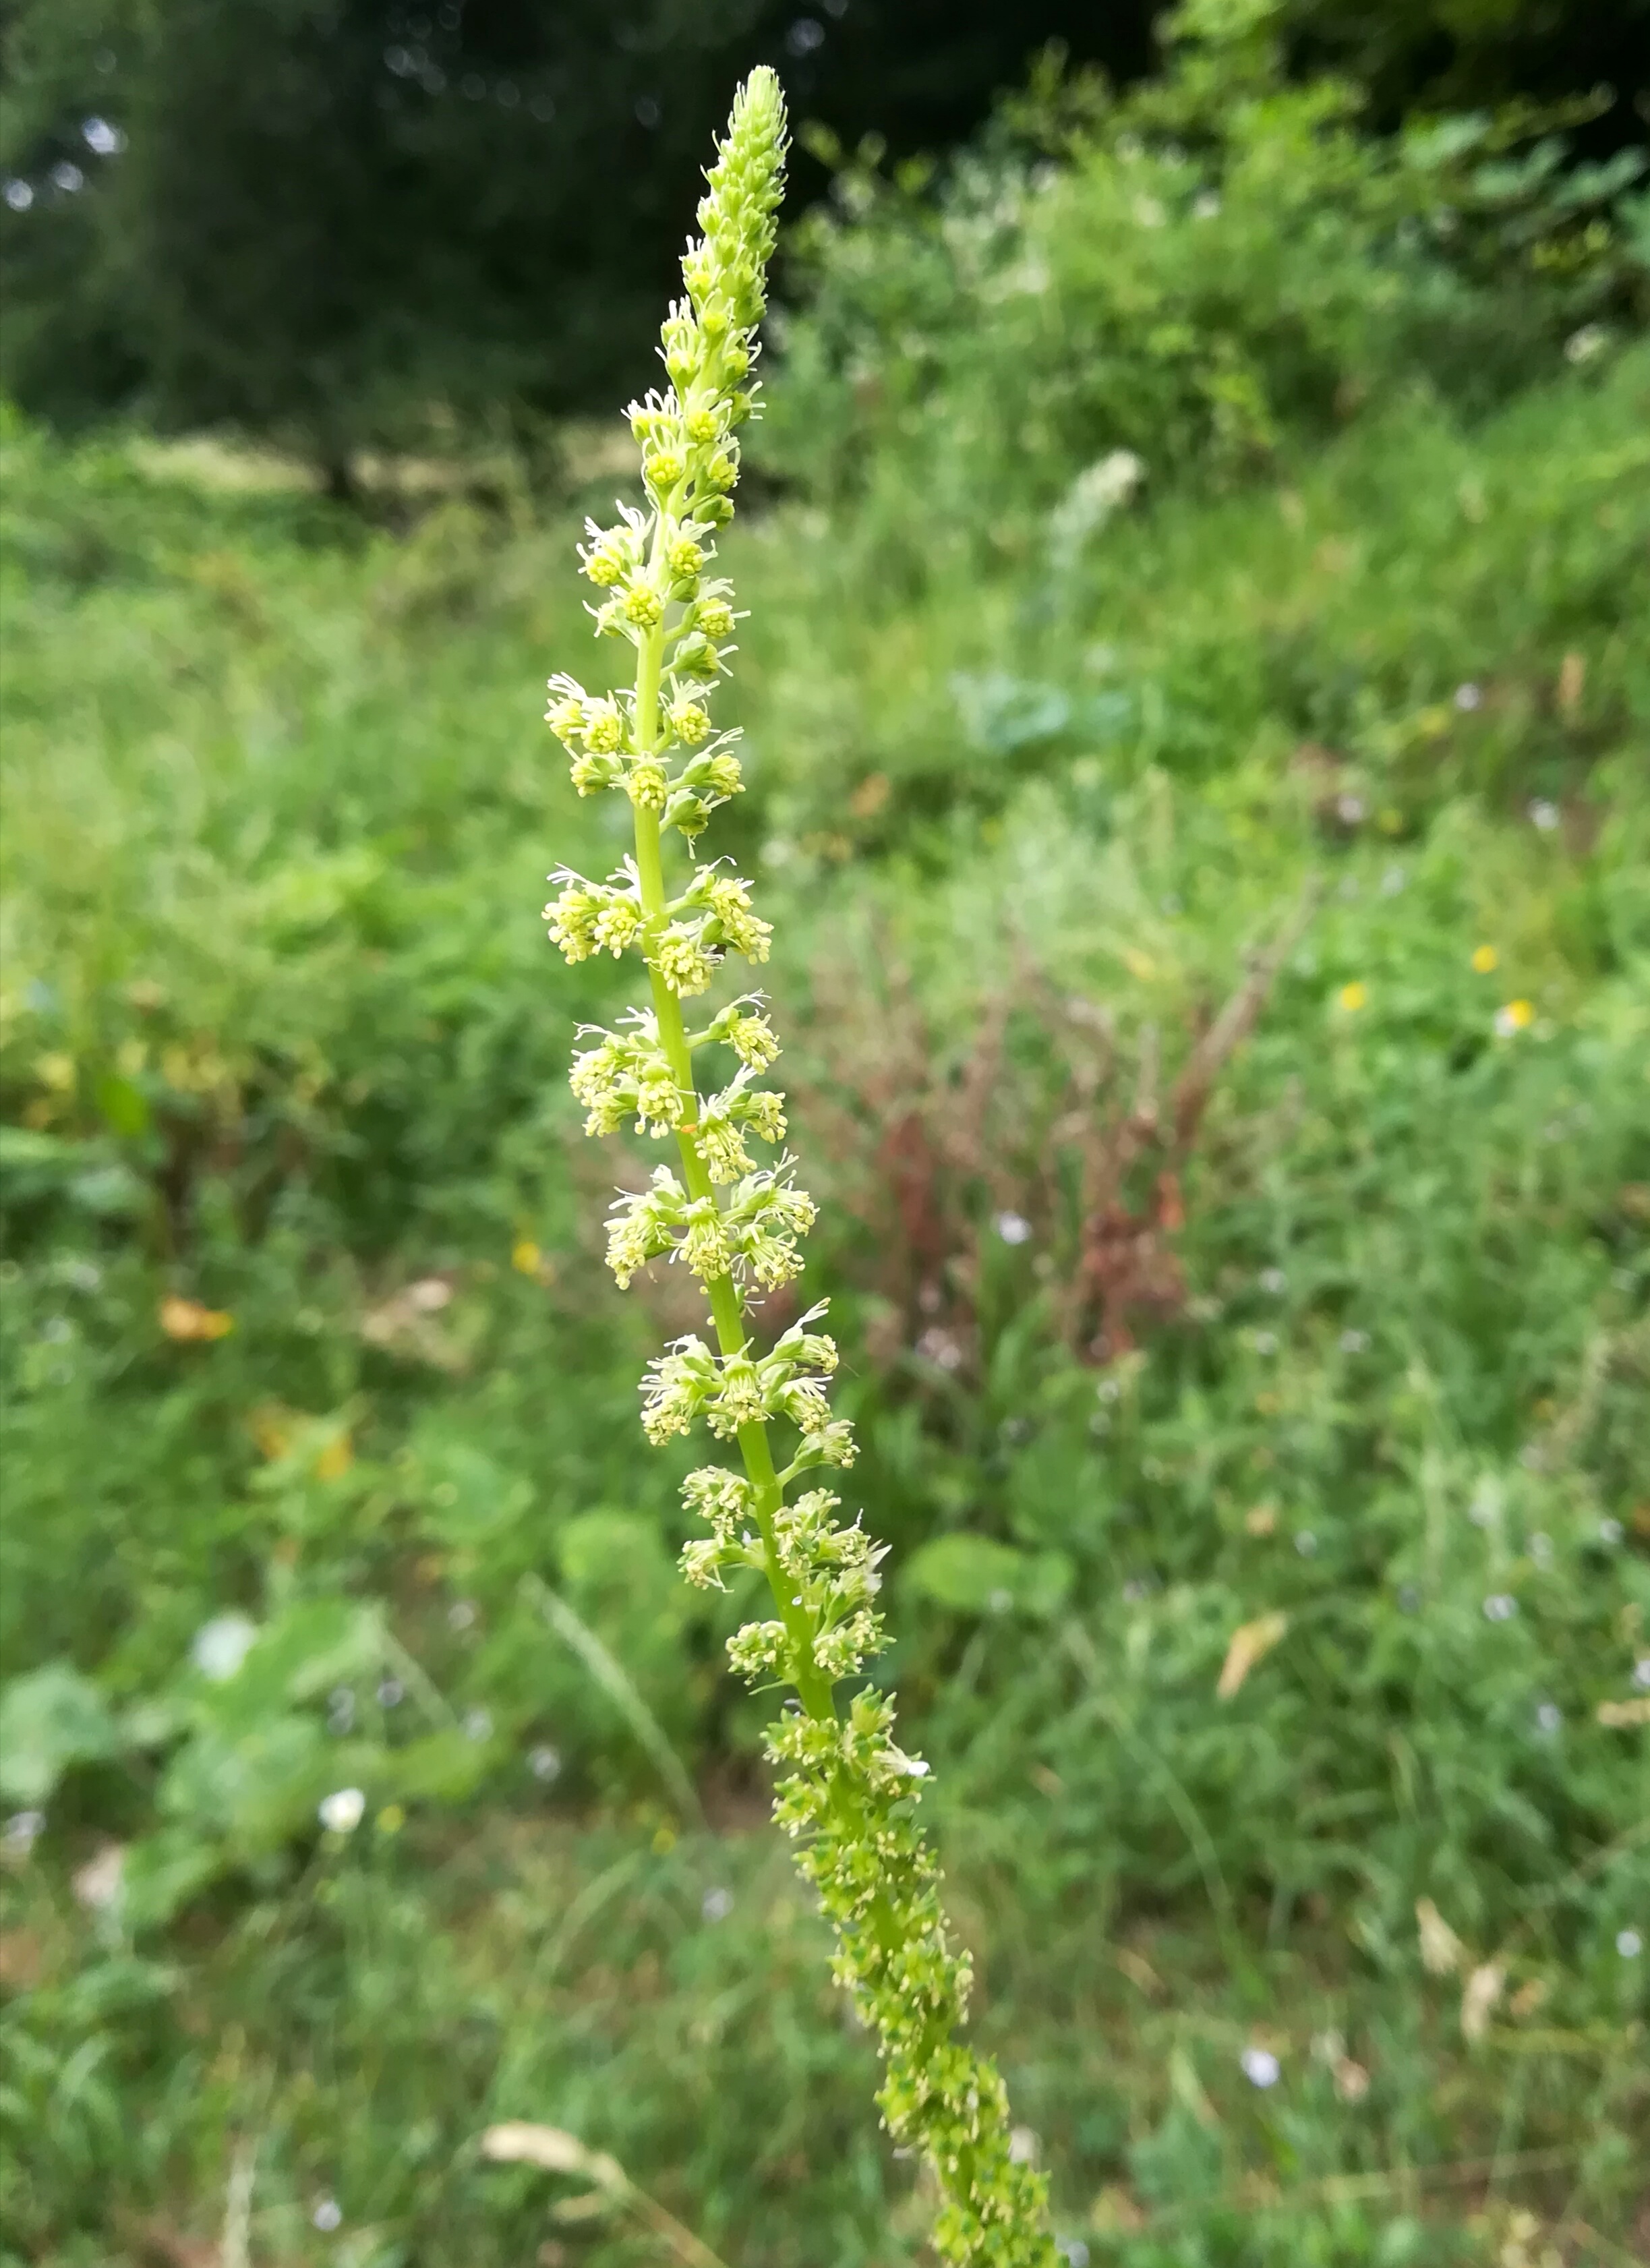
977 1575
51 1719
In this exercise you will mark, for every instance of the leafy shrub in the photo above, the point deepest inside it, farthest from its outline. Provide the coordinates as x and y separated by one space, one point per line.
1205 268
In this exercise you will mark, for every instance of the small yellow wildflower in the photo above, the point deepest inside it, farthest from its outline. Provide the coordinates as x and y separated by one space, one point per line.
524 1256
1353 996
1485 959
187 1319
1515 1016
335 1457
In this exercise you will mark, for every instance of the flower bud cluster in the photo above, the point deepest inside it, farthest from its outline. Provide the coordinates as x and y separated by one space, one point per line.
848 1793
712 915
727 1503
853 1793
743 1027
727 916
600 734
725 1120
752 1236
629 1075
827 1569
735 1391
589 918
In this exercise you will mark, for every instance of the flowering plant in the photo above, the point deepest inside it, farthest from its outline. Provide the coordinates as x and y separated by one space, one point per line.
848 1793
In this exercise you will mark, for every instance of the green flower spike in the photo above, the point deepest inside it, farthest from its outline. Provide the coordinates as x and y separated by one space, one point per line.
849 1795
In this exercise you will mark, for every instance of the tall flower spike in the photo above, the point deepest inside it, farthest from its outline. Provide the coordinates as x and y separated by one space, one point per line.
848 1793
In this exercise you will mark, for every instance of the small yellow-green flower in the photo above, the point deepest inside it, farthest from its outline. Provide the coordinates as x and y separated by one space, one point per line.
1514 1016
1352 997
1484 959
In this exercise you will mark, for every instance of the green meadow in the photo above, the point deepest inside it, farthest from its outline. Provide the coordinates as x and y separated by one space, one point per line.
1212 910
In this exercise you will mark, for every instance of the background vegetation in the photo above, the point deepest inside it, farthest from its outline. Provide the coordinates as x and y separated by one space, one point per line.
1198 715
351 224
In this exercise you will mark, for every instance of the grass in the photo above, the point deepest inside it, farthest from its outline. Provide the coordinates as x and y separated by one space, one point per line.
282 1040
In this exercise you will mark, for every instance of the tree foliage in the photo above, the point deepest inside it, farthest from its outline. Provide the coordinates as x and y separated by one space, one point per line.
347 222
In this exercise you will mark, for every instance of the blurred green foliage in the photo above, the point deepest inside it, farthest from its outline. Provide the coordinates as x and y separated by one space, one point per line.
1215 259
1317 1591
353 224
350 224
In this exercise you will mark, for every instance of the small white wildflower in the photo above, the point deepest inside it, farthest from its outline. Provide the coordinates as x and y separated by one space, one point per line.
1488 1501
1273 1280
97 1886
545 1764
1393 881
1096 493
1641 1673
220 1646
1500 1607
327 2215
1549 1717
1206 207
1469 697
1586 344
478 1725
1543 815
341 1813
1261 2067
1306 1543
23 1831
1013 1227
461 1615
716 1906
1609 1531
939 1347
1351 810
1629 1944
1022 2146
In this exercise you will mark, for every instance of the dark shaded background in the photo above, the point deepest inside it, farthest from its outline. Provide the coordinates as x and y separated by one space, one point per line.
324 216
